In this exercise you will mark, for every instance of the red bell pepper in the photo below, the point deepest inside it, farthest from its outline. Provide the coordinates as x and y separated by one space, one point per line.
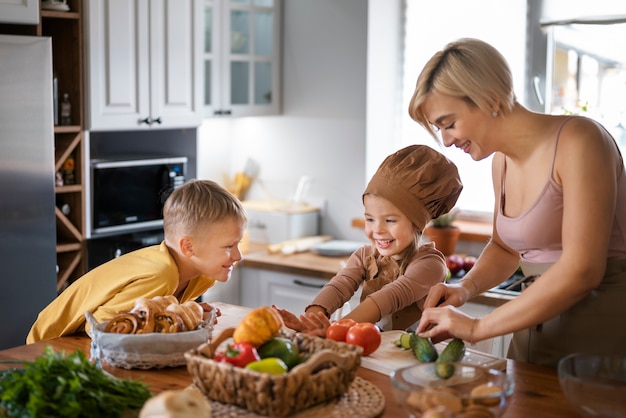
239 354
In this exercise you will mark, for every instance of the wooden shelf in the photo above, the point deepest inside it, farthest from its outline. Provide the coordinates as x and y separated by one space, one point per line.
66 31
53 14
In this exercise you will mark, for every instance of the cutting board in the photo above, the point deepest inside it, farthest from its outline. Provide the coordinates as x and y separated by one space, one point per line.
389 357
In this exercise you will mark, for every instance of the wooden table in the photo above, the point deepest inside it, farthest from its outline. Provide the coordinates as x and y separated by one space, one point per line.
537 392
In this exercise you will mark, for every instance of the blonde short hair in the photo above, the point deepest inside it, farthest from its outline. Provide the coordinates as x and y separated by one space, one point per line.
196 204
469 69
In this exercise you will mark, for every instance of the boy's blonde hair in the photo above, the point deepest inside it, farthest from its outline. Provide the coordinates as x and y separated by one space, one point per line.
196 204
469 69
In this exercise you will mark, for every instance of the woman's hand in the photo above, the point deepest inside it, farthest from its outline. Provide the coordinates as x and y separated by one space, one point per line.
446 294
440 324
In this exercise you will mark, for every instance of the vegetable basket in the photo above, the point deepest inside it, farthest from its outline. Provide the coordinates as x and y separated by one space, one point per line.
145 351
325 375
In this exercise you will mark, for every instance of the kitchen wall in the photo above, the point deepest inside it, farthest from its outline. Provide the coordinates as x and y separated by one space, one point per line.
321 131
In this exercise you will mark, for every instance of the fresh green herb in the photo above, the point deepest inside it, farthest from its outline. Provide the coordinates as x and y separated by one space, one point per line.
67 385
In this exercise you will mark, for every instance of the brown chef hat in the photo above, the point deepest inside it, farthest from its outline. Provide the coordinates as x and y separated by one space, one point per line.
419 181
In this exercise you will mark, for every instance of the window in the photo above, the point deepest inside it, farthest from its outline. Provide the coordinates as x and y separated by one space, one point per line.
589 74
429 26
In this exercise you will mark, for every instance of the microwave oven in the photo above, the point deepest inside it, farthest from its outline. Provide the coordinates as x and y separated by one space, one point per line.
128 194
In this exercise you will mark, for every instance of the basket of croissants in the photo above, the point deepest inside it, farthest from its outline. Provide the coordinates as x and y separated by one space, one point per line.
155 333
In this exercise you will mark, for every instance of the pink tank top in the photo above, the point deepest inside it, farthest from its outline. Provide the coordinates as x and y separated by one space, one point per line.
536 234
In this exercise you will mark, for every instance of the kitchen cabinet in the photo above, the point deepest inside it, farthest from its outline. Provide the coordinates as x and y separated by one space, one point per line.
144 64
497 346
293 292
19 12
64 27
242 57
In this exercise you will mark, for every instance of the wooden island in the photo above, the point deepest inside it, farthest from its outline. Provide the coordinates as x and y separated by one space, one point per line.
537 390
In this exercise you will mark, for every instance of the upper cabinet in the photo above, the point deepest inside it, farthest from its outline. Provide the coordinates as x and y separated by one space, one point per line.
242 57
144 64
24 12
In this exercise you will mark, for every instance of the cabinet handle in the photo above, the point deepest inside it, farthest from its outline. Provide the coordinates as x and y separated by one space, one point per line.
222 112
150 121
305 284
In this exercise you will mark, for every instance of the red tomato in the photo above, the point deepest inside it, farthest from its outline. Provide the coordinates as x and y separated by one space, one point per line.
365 334
239 354
338 329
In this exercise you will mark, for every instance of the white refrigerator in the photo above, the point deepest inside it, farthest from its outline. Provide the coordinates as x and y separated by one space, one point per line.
27 200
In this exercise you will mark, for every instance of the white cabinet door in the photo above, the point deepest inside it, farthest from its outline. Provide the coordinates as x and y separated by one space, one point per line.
497 346
242 57
24 12
144 66
287 291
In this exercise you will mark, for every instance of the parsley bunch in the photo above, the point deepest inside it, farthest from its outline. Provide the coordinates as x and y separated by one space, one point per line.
60 385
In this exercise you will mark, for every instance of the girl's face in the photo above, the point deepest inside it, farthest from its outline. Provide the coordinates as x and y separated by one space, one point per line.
460 124
386 227
216 249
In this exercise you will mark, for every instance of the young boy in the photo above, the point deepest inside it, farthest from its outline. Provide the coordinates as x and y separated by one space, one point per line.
203 224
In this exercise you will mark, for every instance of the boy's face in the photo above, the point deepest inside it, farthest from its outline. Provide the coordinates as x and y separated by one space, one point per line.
216 248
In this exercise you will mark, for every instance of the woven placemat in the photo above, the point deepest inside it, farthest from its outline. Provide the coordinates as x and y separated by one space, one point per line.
362 399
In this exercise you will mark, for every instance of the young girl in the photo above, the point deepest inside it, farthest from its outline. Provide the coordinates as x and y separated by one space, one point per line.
203 224
411 187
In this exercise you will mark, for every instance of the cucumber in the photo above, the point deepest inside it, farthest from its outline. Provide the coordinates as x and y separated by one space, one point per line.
453 352
423 348
404 341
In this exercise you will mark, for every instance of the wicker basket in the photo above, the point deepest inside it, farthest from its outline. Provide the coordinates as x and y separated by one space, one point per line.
327 374
145 351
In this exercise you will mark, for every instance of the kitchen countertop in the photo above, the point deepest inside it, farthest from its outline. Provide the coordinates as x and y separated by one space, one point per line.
537 391
313 265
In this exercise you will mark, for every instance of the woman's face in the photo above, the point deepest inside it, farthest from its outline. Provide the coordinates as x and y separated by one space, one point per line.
460 124
386 227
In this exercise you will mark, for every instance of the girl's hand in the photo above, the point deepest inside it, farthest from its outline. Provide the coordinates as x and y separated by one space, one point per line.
315 323
289 319
440 324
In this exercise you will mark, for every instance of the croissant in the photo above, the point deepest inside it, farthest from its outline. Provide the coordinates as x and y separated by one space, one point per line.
144 311
191 312
146 306
162 302
168 322
125 323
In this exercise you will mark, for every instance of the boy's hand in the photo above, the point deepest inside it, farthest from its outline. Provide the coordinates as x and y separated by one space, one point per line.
207 310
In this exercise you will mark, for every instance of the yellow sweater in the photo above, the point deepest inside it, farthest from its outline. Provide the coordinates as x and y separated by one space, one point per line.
112 288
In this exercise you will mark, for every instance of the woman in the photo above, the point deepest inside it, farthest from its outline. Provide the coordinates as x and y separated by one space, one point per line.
560 193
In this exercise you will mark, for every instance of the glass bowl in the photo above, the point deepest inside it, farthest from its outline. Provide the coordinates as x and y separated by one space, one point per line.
470 390
594 384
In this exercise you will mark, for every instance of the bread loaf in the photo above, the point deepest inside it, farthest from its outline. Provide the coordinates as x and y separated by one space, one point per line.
187 403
